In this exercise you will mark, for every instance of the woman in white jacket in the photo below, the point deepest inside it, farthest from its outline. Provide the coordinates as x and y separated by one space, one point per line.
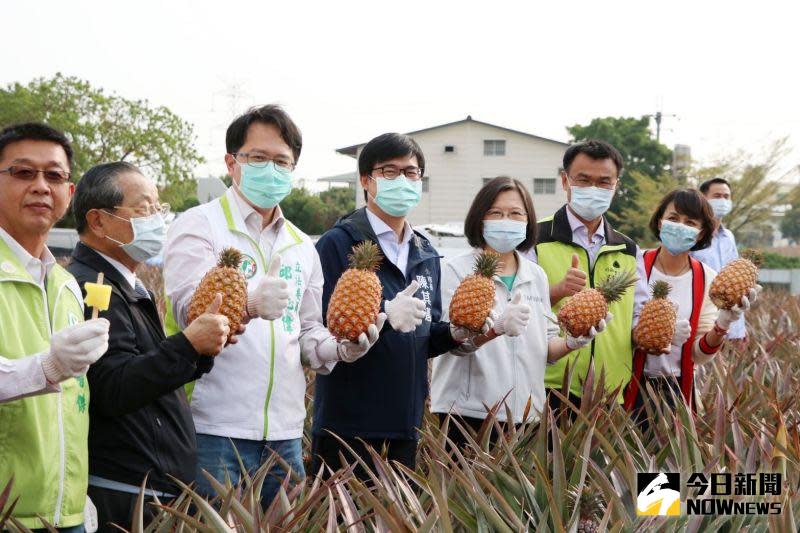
509 370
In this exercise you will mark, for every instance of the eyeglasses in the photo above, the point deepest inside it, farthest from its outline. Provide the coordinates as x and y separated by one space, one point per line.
52 176
585 181
514 214
391 172
148 210
260 161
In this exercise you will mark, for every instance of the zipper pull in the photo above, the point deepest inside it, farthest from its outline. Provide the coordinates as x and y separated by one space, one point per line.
158 421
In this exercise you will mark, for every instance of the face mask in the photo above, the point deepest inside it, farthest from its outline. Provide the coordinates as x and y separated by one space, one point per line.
265 187
720 206
504 235
678 238
396 197
149 234
590 202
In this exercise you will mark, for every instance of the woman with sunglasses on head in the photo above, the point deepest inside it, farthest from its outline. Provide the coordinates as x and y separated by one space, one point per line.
509 370
682 222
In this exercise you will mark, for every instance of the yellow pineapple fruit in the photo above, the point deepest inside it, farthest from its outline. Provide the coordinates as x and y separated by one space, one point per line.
228 280
356 299
587 308
735 280
656 325
474 298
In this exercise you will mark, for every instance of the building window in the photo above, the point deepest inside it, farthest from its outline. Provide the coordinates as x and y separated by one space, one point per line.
449 148
425 184
544 186
494 148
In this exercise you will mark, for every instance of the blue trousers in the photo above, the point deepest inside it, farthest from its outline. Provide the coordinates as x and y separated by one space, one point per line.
217 455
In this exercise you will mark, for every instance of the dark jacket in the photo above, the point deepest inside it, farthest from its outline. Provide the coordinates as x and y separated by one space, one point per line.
381 395
139 417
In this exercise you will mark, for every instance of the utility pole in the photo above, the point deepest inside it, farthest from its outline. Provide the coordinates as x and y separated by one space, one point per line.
659 116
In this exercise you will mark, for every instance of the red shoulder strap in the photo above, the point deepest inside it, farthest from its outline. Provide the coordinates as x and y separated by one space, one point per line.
687 361
639 356
649 260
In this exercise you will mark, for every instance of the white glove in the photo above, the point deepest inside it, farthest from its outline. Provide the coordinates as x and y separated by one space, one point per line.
462 335
727 317
405 312
514 319
73 349
683 330
352 351
576 343
270 297
89 516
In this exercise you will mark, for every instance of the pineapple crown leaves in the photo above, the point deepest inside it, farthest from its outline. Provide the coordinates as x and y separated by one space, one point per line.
754 255
230 258
487 264
365 256
613 287
661 289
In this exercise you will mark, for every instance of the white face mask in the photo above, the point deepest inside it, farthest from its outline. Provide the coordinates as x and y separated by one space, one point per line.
720 206
590 203
149 234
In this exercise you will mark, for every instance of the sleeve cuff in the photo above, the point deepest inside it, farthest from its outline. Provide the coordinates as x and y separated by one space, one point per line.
706 349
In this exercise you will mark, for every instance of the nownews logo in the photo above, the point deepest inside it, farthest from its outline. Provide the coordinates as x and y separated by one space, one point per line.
660 494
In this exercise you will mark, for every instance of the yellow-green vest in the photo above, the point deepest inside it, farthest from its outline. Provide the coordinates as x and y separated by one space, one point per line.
43 439
612 350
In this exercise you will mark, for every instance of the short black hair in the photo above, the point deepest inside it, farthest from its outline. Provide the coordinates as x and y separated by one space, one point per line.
483 201
273 114
385 147
706 185
99 189
35 131
595 149
690 203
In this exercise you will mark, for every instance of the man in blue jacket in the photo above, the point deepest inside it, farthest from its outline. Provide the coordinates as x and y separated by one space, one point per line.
379 399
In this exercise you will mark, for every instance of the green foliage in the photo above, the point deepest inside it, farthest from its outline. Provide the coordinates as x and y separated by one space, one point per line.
790 224
636 218
315 214
778 261
180 195
643 156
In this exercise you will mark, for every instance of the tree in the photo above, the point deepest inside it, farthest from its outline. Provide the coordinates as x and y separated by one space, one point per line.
642 154
315 214
649 193
790 225
105 127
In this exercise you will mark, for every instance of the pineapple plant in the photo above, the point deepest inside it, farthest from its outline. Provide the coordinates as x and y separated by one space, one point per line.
227 279
657 320
356 299
590 509
586 309
473 299
735 280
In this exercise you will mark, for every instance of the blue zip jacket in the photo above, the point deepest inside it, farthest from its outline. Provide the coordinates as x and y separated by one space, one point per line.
381 395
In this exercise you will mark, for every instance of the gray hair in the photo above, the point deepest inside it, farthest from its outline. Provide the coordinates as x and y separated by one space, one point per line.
99 189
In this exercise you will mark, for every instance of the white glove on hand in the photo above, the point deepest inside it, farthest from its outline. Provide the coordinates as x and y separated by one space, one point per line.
73 349
576 343
727 317
514 319
352 351
462 335
270 297
683 330
405 312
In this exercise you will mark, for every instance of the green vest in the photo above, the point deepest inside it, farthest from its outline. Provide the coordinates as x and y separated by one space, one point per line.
612 350
43 439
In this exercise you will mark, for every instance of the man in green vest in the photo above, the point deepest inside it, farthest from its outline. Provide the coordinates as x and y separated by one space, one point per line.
45 346
579 241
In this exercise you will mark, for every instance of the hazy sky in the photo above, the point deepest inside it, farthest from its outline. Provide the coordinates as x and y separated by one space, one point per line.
347 71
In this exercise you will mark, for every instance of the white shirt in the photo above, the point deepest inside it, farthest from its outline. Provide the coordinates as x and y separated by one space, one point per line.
25 376
395 249
129 276
265 236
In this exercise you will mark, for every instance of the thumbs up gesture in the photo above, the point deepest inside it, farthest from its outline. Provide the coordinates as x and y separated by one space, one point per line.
514 319
574 281
271 295
405 312
208 333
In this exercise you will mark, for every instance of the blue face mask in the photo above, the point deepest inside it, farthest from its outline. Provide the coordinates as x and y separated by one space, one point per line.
266 186
678 238
590 203
504 235
720 206
396 197
149 234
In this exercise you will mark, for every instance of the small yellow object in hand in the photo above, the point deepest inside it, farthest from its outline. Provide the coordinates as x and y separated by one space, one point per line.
98 295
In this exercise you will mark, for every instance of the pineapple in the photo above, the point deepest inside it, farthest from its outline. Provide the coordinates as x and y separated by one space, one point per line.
474 298
656 324
356 299
227 279
734 281
587 308
591 510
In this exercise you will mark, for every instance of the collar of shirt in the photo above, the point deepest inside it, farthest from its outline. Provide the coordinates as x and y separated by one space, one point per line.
383 231
38 268
253 219
581 233
129 276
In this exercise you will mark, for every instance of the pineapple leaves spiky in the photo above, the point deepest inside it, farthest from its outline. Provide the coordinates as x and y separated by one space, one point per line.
661 289
230 257
613 287
487 264
365 256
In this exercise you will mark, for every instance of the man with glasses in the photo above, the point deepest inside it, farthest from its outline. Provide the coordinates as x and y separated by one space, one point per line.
579 240
252 405
45 346
379 400
140 419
